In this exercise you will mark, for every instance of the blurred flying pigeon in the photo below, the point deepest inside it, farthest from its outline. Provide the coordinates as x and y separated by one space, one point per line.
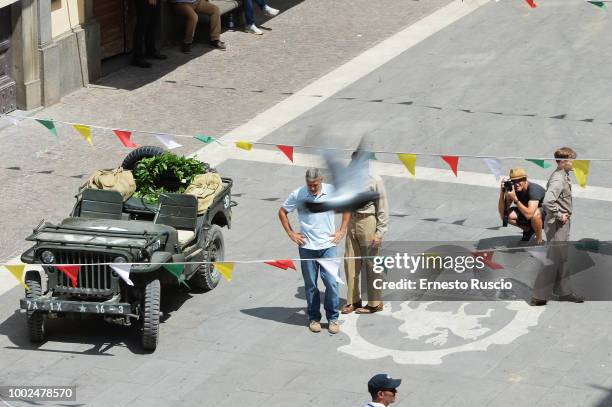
351 185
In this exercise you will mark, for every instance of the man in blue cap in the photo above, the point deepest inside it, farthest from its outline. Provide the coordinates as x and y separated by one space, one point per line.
382 388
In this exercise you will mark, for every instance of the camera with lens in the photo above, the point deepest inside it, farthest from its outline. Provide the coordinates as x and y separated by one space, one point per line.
507 186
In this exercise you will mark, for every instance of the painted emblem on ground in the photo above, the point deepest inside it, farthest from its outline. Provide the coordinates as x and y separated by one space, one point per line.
427 332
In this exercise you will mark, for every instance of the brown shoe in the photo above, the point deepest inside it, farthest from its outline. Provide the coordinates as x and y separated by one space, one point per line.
535 302
368 309
314 326
333 327
348 308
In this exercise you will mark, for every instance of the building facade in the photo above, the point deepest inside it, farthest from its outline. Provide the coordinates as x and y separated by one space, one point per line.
48 48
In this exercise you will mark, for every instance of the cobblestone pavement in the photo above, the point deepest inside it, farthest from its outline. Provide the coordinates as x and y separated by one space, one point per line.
246 343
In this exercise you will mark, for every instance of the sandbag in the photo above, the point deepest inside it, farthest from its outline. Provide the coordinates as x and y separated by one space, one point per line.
116 179
205 187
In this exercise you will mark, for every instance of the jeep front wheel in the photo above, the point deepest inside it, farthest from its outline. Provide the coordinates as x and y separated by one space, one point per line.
150 315
36 321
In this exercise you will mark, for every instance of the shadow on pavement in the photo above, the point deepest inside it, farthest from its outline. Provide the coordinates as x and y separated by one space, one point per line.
284 315
87 330
117 75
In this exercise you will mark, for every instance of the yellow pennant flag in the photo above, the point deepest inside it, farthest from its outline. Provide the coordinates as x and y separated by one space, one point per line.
581 169
17 270
245 145
85 131
409 161
225 269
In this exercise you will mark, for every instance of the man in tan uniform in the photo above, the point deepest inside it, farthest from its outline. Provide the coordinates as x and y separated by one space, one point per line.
558 206
366 229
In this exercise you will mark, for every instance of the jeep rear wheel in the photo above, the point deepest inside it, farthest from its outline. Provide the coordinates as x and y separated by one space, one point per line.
150 315
207 277
36 321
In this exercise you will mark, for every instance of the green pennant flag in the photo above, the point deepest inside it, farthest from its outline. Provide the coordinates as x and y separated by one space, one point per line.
599 4
205 139
49 125
541 163
372 156
177 271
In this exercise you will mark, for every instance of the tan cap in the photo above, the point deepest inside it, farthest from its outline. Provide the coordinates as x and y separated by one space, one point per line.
517 173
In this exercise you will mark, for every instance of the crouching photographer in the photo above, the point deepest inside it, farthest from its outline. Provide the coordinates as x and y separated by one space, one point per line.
520 204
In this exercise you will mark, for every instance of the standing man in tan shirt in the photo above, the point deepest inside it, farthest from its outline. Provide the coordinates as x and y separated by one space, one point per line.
558 206
365 233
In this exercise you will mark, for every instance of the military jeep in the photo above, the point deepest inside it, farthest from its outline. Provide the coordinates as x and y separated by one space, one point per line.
103 230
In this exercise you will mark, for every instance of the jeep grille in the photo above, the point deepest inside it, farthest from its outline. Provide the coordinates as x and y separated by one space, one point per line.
96 280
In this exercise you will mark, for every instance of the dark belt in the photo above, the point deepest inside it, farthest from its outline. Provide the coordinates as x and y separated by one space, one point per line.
362 215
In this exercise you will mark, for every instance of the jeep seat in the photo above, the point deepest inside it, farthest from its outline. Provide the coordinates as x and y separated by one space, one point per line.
101 204
179 211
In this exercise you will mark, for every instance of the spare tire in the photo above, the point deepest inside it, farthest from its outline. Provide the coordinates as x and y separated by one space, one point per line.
131 160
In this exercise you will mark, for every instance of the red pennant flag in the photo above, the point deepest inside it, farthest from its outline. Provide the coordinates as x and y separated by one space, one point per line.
71 271
531 3
487 259
452 161
287 150
125 136
282 264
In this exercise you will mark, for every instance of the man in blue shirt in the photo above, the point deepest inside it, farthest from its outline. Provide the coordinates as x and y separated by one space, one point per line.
316 239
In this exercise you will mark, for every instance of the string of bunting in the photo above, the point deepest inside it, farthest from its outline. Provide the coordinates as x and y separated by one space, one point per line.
581 167
226 268
600 3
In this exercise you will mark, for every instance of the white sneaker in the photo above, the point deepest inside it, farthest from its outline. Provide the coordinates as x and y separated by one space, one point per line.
269 11
253 29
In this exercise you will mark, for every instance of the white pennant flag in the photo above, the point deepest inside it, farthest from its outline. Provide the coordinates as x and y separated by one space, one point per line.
167 141
495 166
332 266
540 253
123 271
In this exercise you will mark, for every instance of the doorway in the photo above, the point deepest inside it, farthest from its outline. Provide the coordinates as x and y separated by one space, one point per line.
8 96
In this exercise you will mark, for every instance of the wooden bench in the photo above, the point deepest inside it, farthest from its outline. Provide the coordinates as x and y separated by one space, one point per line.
172 25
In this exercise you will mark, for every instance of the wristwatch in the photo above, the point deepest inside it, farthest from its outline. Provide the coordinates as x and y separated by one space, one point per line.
515 201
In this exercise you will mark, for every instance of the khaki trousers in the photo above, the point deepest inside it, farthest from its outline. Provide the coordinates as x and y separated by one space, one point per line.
358 243
555 277
190 11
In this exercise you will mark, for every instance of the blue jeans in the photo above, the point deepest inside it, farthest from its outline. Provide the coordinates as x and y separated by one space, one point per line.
310 272
248 10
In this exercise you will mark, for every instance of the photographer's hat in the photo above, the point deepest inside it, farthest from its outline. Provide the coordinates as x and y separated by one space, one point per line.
517 173
383 381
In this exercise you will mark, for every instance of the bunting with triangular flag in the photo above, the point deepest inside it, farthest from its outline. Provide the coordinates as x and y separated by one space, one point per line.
84 131
287 150
409 160
542 163
245 145
49 125
167 141
205 139
177 271
123 271
332 266
282 264
599 4
225 268
581 169
494 166
18 270
126 138
452 161
531 3
71 271
487 259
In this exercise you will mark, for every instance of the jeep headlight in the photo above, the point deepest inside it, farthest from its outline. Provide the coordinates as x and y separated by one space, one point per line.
47 257
119 259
